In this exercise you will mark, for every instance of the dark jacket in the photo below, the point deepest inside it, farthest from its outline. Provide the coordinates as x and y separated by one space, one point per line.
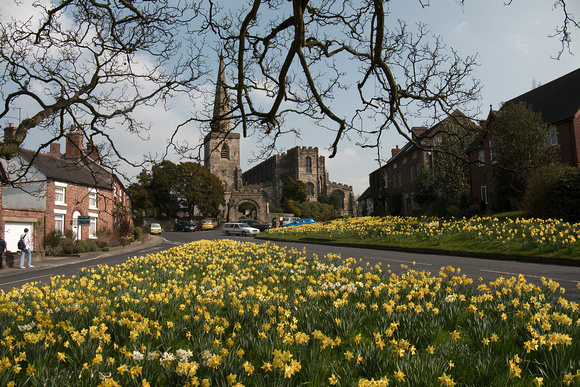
2 246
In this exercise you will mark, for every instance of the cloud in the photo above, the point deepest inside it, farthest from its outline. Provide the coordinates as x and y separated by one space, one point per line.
461 27
520 42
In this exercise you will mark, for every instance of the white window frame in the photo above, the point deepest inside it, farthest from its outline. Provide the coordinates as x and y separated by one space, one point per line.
60 187
93 225
483 193
491 152
481 157
59 215
552 137
93 199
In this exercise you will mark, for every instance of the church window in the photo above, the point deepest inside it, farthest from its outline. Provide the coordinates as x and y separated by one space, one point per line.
310 189
225 152
308 164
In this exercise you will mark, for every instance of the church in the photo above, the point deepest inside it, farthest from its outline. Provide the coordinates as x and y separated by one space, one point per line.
262 185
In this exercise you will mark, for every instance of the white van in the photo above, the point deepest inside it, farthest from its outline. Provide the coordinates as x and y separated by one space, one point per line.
240 229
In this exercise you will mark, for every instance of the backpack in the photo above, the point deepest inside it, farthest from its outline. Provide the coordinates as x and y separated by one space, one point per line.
21 244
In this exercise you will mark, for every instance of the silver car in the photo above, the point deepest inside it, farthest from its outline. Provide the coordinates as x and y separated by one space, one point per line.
240 229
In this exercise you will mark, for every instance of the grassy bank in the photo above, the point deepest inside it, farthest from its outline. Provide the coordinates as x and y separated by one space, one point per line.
527 237
223 313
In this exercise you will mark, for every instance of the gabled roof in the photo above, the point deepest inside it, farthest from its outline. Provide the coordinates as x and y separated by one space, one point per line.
428 134
365 195
68 170
478 141
557 100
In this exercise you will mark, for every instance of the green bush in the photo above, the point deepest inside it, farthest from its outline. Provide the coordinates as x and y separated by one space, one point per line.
53 239
565 196
291 207
138 233
318 211
82 247
554 192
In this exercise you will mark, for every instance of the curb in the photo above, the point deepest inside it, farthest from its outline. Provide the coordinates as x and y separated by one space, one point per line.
47 262
466 254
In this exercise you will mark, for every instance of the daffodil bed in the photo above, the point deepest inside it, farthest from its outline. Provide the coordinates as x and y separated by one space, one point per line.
220 313
538 237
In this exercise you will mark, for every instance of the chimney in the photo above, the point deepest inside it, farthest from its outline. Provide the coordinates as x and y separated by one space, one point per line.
9 132
74 144
55 150
93 153
394 151
418 131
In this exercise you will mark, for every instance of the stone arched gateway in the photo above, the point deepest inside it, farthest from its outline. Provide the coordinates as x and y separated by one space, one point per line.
245 195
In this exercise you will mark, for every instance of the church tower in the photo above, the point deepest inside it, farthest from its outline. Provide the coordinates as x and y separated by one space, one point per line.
221 145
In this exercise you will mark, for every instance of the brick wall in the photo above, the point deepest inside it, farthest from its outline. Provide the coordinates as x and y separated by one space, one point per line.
77 199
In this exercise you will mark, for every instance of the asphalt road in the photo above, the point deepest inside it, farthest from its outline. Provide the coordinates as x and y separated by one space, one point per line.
488 270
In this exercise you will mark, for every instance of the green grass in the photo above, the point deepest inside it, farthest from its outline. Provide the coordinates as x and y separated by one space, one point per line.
504 235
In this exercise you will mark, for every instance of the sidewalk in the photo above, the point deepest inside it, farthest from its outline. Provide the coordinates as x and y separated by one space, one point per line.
46 262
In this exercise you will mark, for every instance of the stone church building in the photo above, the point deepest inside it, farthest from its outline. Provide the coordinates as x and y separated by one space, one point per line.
262 185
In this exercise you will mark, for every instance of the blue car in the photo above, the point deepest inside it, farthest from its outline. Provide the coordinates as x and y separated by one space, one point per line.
300 222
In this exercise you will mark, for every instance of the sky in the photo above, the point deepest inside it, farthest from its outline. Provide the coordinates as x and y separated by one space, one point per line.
513 48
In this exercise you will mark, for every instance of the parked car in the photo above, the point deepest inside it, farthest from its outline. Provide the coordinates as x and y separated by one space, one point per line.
288 219
301 221
259 225
239 228
207 224
183 225
155 228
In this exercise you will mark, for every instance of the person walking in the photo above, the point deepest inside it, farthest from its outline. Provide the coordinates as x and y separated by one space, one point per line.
2 250
27 244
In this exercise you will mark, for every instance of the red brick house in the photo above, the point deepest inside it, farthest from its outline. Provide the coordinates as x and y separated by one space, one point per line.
57 191
559 104
392 185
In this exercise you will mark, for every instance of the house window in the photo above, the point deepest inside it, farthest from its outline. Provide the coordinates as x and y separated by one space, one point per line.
411 173
552 138
59 223
93 226
484 194
405 160
310 189
93 199
308 164
492 146
481 157
225 153
59 194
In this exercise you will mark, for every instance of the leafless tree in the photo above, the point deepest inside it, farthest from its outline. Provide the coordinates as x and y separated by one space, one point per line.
298 53
92 62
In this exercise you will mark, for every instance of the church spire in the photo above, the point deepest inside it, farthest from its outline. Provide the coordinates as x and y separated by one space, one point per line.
220 108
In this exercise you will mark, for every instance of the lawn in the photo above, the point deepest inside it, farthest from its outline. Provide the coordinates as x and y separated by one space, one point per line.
225 313
489 235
